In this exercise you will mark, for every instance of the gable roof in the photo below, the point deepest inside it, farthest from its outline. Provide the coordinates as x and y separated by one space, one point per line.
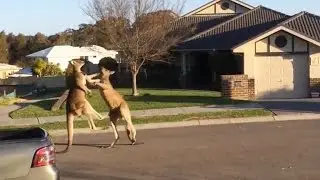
214 2
202 23
66 51
235 31
306 24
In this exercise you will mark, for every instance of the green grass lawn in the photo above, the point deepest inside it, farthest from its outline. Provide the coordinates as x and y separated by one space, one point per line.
148 99
159 119
8 101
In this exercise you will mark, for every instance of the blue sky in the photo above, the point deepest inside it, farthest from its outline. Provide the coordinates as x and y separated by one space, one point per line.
52 16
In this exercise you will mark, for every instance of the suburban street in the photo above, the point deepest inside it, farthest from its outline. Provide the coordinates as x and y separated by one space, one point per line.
258 151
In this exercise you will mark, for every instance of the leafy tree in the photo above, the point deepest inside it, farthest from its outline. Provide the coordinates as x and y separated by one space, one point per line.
39 66
62 38
43 68
3 48
17 48
38 42
52 70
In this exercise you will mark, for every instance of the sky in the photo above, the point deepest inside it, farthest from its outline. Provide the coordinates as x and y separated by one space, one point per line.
52 16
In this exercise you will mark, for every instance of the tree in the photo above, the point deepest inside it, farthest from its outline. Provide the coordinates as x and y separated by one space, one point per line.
38 42
140 29
52 70
39 66
17 48
43 68
3 48
84 36
62 38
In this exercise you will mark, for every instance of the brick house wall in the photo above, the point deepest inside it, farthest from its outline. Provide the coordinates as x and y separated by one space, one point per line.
237 87
314 85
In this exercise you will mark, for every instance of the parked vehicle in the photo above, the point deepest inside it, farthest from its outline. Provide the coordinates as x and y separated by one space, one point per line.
27 154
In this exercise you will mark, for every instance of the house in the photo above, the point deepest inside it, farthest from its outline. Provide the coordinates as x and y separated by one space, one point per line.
62 54
23 72
7 69
251 52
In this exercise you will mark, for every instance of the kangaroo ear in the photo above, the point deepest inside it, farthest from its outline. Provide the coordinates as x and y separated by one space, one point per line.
71 62
112 72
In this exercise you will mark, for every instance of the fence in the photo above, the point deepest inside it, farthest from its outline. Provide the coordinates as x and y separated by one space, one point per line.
48 82
21 86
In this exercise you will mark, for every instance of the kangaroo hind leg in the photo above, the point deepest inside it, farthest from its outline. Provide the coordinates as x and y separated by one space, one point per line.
130 129
114 117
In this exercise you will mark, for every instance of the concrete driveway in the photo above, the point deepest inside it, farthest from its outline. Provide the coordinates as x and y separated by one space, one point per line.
260 151
292 106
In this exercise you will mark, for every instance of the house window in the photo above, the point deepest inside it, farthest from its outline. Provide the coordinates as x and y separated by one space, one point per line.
281 41
225 5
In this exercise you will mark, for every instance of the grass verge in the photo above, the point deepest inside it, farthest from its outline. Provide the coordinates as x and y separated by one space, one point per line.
9 101
149 99
159 119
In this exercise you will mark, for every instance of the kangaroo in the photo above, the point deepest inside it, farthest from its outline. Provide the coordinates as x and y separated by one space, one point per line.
76 103
118 107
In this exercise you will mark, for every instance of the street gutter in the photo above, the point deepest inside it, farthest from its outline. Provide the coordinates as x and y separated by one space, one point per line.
194 123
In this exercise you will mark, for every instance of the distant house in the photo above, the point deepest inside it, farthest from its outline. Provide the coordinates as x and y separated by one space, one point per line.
24 72
7 69
264 53
61 55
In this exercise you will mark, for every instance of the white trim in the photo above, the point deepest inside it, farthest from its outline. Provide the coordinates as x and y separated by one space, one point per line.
301 36
268 33
193 12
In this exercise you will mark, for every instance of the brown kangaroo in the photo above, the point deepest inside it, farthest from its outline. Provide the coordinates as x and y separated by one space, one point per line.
118 107
76 103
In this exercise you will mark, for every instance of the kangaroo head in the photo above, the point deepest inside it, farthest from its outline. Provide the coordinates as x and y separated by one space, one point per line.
106 72
77 64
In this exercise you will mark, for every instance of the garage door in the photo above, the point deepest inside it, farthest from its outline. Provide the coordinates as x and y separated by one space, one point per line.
282 76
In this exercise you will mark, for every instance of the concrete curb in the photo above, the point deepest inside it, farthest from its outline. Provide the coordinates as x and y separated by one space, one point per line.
194 123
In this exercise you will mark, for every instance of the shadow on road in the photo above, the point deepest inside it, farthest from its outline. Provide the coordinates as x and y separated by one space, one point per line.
97 145
292 106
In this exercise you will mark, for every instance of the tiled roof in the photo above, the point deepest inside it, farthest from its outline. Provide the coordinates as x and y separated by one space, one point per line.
306 24
202 23
236 30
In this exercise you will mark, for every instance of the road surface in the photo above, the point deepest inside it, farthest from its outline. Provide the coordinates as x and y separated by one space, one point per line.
261 151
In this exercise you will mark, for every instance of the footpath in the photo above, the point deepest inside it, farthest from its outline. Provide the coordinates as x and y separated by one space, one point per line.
140 113
7 121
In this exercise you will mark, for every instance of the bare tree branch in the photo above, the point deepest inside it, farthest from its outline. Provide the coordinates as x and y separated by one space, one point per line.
143 30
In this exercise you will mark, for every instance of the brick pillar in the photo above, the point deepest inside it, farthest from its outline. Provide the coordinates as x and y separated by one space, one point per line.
251 89
314 85
237 87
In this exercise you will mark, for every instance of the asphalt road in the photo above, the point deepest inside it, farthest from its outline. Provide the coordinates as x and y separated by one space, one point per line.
264 151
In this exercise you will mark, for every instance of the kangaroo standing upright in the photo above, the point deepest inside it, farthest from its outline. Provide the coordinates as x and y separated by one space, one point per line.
118 107
76 103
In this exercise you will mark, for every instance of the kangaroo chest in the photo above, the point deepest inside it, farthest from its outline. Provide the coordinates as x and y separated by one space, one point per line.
112 98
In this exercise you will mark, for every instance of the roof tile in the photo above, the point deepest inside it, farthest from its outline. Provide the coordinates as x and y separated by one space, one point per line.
305 23
236 30
203 22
